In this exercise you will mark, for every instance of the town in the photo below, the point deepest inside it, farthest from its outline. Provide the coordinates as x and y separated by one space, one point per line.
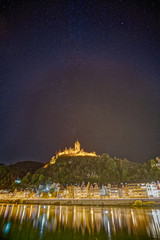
86 191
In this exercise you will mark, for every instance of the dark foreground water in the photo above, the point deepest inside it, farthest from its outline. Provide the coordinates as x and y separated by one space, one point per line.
27 222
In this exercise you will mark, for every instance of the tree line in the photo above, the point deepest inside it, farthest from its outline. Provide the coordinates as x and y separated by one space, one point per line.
102 170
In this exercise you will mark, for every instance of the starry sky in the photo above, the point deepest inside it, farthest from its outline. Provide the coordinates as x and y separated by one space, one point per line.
86 70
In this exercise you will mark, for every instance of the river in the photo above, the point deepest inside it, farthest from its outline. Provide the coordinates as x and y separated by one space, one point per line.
33 222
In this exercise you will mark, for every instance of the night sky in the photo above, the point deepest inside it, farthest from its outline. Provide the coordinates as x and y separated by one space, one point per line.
86 70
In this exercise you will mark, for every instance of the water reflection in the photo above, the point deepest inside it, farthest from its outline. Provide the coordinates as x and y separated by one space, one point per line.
84 220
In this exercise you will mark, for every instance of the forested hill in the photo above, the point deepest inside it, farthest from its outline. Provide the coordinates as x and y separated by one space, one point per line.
103 170
76 169
8 174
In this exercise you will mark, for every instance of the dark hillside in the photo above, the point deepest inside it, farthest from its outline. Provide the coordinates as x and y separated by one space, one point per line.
8 174
104 169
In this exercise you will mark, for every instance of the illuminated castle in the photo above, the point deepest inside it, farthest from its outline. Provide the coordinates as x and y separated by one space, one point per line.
76 151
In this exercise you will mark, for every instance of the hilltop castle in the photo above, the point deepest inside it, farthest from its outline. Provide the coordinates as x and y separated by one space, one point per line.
76 151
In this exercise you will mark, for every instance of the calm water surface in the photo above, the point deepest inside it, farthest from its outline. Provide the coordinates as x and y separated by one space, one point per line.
27 222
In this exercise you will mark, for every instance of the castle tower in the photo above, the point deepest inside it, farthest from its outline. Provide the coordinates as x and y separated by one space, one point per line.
77 146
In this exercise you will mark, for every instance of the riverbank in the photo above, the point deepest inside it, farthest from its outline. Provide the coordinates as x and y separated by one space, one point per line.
86 202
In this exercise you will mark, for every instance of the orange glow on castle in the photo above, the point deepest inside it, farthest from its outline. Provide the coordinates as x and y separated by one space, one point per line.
76 151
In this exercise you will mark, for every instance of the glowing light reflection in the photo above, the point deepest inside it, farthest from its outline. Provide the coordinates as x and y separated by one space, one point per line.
91 219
